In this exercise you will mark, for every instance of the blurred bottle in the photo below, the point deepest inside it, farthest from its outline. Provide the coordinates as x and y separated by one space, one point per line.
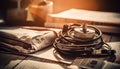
38 11
15 12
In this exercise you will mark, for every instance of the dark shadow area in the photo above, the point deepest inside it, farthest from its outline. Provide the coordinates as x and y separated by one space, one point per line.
110 5
5 60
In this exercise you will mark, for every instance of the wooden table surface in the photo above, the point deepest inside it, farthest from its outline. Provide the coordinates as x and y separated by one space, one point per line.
11 61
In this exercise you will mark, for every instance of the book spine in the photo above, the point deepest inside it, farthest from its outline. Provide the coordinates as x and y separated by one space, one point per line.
52 19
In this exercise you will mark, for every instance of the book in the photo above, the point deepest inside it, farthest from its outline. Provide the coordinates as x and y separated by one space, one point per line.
85 16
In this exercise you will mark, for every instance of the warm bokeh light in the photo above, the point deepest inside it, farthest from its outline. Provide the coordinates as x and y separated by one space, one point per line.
40 11
99 5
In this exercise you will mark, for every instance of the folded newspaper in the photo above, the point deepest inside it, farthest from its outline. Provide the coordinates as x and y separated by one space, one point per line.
22 40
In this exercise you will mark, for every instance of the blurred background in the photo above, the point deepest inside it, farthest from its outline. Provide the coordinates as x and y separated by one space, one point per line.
97 5
9 8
